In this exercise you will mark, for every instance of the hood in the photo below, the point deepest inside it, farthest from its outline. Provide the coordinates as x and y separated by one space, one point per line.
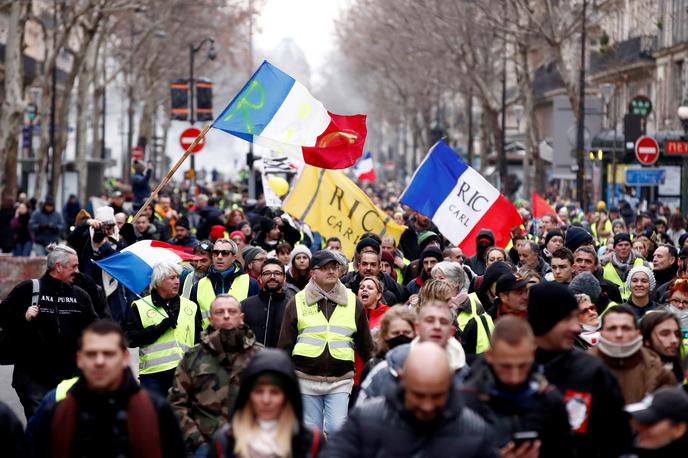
480 249
279 364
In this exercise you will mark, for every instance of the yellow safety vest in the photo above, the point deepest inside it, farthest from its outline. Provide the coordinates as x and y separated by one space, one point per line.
610 273
166 352
188 285
205 294
63 388
601 240
400 272
315 332
484 327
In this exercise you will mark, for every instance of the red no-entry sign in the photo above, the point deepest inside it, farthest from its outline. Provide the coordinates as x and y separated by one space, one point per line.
188 136
646 150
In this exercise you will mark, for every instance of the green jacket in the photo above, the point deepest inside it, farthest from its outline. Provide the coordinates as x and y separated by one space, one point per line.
206 382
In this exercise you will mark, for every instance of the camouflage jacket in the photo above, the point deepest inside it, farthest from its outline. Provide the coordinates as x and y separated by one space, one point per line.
206 382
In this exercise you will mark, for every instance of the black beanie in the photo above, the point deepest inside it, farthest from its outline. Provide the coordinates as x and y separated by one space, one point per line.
430 252
622 237
575 237
553 233
183 221
367 242
549 303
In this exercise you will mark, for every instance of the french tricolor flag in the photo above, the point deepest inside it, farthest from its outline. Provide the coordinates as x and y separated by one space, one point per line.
133 266
459 200
364 168
276 111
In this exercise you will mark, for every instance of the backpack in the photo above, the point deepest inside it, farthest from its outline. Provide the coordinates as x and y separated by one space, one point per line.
8 344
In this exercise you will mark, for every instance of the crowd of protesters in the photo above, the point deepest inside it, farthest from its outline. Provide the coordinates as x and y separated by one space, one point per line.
570 341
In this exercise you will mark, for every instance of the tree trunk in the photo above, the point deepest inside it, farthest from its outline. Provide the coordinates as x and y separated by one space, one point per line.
86 76
13 106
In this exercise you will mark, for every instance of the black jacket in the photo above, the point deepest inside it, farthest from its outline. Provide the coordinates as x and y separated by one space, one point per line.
137 335
278 364
536 406
477 261
263 314
11 433
383 427
45 347
101 423
594 401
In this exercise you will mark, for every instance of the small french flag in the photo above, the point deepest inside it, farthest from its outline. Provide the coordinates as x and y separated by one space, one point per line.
277 112
364 168
459 200
133 266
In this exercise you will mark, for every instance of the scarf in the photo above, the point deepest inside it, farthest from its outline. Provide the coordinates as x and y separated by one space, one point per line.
622 265
264 443
314 293
620 350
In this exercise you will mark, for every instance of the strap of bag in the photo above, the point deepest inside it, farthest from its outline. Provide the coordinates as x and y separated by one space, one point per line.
485 326
36 292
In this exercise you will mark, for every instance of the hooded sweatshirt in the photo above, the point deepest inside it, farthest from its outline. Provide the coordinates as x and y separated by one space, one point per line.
476 262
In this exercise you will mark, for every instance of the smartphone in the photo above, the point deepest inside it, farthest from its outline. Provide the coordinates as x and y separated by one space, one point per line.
524 436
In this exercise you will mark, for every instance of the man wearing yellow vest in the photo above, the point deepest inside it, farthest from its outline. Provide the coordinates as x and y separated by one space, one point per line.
622 260
323 326
163 325
225 276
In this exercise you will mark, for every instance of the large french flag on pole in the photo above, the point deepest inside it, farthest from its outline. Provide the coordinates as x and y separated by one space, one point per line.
276 111
133 266
459 200
365 169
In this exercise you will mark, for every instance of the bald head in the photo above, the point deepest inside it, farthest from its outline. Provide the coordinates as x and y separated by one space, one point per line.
426 379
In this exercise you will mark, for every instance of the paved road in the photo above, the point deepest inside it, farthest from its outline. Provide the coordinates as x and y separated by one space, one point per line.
9 397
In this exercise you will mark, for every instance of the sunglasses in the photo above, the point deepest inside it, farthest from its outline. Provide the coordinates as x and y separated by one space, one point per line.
592 308
222 252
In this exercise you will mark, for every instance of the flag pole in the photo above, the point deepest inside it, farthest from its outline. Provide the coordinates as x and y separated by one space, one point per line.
172 171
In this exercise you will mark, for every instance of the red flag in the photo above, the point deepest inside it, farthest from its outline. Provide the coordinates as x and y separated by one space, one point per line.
541 207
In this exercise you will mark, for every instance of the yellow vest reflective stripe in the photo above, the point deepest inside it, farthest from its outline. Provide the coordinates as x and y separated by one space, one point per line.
205 294
350 267
315 332
166 352
188 284
63 388
484 327
612 275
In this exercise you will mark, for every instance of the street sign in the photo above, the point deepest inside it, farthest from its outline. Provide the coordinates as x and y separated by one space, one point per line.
640 105
646 150
672 147
190 174
188 136
137 153
645 177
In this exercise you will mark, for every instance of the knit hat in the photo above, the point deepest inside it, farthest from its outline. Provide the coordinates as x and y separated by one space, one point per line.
553 233
249 253
217 232
430 252
575 237
299 249
622 237
183 221
367 242
647 271
105 215
237 234
425 237
387 256
586 283
243 223
549 303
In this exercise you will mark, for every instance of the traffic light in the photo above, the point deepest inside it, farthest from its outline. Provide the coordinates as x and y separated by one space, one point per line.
204 100
633 130
596 156
179 92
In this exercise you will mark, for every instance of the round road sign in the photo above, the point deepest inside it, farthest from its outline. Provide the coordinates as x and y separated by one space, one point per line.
646 150
188 136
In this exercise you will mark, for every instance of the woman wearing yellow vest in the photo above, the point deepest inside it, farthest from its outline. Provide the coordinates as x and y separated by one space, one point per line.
163 325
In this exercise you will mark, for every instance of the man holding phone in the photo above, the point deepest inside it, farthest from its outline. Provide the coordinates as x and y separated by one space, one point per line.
525 412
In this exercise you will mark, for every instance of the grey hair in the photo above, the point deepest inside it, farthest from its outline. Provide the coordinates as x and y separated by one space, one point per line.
58 253
161 271
232 243
225 296
452 270
580 297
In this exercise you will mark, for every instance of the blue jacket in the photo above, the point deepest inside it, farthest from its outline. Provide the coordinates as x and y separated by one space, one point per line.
140 186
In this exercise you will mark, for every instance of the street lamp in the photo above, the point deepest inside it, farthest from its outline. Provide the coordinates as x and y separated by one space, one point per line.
212 54
682 113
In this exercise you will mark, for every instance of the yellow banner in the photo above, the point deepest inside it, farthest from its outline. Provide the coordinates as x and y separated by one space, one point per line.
333 205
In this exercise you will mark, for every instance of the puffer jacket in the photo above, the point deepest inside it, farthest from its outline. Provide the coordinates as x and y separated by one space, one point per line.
383 427
206 382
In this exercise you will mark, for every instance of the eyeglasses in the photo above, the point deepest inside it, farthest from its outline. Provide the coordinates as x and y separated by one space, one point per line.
681 302
222 252
273 274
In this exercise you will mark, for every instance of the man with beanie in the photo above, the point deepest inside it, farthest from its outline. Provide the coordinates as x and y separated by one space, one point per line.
576 237
425 239
46 225
206 381
428 258
298 273
591 393
254 257
553 241
638 369
323 327
483 241
182 234
263 312
616 267
368 265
